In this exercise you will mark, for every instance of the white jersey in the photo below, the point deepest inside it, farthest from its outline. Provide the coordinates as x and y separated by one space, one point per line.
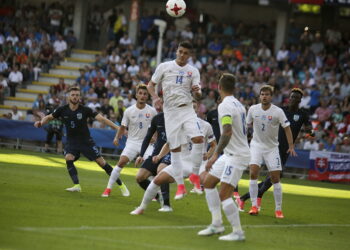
137 121
208 134
176 83
266 125
238 144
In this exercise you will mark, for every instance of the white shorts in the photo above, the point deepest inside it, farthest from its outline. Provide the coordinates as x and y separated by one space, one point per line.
187 167
230 169
131 150
202 167
180 123
170 171
270 157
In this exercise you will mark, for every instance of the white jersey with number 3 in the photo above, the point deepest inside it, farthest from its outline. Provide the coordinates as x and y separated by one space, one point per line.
238 145
176 83
137 121
266 125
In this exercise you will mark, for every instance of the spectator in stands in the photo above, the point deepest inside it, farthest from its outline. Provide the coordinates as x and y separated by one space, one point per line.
4 70
133 68
15 79
71 41
100 90
94 104
39 102
311 144
150 45
106 109
114 100
323 112
120 111
3 88
46 57
15 114
60 48
344 147
112 81
129 101
61 86
124 42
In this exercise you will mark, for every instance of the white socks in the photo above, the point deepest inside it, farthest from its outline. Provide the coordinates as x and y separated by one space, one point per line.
213 201
277 194
253 191
149 194
176 163
232 214
114 176
196 156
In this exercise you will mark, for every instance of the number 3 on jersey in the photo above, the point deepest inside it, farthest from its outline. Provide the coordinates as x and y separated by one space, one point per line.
140 125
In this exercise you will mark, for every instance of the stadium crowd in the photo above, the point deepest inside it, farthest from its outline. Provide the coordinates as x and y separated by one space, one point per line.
318 63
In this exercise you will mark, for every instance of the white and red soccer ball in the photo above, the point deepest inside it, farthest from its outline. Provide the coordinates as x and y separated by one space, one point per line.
176 8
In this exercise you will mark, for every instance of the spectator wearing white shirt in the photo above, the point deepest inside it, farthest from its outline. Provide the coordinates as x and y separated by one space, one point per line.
60 47
282 56
129 101
125 41
133 69
12 37
311 144
187 34
15 114
15 78
112 81
3 88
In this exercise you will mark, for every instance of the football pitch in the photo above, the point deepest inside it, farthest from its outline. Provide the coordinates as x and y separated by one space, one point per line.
37 213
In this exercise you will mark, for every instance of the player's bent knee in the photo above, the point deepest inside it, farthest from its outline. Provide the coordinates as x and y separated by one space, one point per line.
69 157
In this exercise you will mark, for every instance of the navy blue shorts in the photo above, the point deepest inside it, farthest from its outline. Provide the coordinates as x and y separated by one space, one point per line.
87 148
152 167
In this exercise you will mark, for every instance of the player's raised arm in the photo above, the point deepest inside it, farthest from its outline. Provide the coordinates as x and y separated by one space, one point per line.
43 121
106 121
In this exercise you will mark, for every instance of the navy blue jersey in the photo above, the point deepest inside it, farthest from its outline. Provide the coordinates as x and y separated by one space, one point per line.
75 122
157 125
213 119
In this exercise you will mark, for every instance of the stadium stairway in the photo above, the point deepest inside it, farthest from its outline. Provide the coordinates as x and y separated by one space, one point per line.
68 70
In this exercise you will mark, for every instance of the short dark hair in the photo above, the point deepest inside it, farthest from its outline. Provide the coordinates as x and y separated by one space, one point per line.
297 90
267 88
186 44
227 82
73 88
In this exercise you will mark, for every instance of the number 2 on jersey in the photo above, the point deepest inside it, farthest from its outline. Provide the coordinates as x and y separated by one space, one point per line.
263 127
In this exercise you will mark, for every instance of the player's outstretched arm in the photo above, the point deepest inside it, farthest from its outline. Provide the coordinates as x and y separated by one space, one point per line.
106 121
43 121
119 134
165 149
211 150
289 136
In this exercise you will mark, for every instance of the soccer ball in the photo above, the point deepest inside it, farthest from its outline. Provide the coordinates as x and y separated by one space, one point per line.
176 8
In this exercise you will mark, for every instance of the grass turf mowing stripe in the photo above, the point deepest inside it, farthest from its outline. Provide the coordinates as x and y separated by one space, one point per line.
97 228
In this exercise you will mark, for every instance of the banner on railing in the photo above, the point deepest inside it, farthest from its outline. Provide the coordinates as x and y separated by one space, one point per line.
329 166
26 131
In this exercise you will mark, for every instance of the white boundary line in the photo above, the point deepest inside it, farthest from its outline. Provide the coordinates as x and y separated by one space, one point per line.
97 228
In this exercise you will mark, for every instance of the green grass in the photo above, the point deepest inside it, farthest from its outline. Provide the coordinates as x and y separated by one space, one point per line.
36 212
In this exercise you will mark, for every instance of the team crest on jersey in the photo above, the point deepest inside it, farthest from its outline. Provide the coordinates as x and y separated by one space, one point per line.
269 117
79 116
296 117
148 115
189 74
